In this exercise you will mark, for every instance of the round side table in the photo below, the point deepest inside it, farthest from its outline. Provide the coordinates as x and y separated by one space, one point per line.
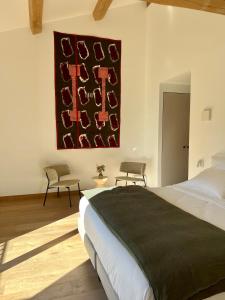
100 181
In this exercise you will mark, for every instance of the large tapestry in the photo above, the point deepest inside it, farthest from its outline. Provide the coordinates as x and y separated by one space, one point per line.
87 91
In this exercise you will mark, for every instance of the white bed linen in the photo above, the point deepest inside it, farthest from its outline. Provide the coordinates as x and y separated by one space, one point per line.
125 276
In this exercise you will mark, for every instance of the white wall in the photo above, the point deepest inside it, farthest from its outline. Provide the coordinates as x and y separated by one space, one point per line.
179 41
27 120
158 43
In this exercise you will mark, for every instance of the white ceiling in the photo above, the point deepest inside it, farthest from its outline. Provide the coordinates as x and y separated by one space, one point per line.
14 13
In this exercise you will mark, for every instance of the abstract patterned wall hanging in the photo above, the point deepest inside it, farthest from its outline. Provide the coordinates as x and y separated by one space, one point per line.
87 91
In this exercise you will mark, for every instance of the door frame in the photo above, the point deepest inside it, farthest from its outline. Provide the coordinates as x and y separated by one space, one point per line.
170 88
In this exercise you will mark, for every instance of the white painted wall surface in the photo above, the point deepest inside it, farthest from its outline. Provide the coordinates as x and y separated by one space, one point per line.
175 40
179 41
27 120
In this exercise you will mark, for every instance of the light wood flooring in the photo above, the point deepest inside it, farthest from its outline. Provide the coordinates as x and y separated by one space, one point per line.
41 254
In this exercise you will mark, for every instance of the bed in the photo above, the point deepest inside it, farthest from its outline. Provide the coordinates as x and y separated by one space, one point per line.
118 270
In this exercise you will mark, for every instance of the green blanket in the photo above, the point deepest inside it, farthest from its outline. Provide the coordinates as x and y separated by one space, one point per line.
182 256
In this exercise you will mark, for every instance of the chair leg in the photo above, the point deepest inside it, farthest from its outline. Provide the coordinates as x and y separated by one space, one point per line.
78 184
116 182
69 197
58 192
46 193
144 181
126 183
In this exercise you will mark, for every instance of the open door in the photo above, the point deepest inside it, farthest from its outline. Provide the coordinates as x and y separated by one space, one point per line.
175 137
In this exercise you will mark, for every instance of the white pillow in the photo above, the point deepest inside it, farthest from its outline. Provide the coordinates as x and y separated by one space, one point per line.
210 181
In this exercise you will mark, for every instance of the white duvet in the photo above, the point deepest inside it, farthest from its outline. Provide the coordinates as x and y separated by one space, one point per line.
125 276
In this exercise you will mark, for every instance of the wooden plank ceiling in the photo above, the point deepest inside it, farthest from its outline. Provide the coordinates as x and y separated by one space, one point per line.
100 10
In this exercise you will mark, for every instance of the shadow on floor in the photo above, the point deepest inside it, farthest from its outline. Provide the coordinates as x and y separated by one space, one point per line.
2 252
36 251
79 284
21 216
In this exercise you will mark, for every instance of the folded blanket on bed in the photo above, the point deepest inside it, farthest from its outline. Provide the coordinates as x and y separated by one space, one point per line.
182 256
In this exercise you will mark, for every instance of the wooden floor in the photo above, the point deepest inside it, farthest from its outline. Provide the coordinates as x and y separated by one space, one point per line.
41 254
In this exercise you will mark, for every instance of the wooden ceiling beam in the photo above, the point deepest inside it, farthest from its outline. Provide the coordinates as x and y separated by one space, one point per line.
215 6
35 14
100 9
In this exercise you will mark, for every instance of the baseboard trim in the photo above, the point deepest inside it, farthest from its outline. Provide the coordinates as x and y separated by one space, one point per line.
36 196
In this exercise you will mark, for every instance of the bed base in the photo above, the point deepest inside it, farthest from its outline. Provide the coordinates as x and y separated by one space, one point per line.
111 294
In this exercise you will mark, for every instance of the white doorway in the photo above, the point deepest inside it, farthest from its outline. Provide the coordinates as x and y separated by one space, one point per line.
174 142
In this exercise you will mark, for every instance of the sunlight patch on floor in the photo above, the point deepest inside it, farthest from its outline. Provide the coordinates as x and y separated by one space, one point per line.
27 242
36 260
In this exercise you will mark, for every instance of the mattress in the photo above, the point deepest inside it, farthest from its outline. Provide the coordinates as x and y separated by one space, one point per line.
126 278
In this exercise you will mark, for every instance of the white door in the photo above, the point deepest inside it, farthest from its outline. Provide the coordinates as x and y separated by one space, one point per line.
175 137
